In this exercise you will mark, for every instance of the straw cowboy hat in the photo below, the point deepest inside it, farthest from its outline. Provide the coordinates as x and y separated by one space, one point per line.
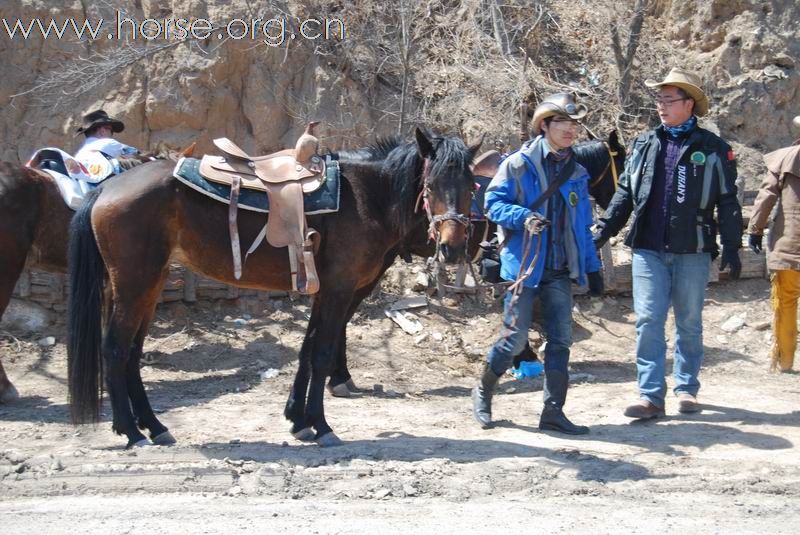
97 118
558 104
689 82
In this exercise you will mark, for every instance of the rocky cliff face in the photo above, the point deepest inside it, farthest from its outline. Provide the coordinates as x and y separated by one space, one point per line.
260 96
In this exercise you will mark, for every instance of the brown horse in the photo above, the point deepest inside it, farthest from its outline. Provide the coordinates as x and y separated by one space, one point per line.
123 238
33 221
604 161
34 224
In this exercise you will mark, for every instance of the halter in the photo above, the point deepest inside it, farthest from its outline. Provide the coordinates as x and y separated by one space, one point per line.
611 164
435 220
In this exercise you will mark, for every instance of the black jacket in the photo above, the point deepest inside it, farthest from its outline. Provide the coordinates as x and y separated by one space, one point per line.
704 178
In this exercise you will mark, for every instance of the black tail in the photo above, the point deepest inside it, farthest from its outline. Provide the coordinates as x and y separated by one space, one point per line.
86 277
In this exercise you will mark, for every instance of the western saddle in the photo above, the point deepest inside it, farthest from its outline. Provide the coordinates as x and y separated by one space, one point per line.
285 176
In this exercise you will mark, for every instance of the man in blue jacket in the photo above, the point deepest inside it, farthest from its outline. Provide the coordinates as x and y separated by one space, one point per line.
567 254
676 176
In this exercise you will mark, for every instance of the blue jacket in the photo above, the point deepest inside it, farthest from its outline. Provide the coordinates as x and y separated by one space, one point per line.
514 188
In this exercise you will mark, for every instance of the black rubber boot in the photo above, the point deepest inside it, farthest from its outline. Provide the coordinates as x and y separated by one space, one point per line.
555 395
482 397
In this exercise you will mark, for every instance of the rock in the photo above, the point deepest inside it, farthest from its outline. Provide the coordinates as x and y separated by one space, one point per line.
269 374
420 282
733 324
419 339
761 325
26 316
236 490
47 341
582 377
382 493
409 490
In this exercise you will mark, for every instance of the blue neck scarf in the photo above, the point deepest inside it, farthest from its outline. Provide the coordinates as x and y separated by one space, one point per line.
682 129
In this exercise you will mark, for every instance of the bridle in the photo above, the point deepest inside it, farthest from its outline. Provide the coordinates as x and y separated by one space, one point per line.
435 221
612 164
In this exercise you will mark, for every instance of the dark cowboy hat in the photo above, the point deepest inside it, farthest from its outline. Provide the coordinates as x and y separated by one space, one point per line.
97 118
558 104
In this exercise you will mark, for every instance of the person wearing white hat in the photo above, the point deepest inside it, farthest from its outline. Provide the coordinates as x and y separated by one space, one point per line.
539 183
677 176
781 186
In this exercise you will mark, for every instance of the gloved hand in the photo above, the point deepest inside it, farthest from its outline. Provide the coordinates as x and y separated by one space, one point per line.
535 223
598 240
730 258
596 284
755 241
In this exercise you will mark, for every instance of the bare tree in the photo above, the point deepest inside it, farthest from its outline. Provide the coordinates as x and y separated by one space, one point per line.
624 58
499 27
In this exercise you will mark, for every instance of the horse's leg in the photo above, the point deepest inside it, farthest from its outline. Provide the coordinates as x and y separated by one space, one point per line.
117 344
295 410
12 265
139 402
332 310
341 382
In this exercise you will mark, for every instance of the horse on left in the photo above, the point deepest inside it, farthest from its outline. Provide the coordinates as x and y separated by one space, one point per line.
34 224
123 238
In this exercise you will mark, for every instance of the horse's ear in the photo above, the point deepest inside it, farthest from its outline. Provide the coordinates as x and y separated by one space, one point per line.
424 144
613 140
475 147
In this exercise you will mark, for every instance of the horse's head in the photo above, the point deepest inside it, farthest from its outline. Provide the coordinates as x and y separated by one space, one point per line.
605 161
447 188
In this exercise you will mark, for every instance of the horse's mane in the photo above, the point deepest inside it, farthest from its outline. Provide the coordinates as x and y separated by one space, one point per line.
399 168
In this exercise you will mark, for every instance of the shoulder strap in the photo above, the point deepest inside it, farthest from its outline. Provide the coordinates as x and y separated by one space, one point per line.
562 177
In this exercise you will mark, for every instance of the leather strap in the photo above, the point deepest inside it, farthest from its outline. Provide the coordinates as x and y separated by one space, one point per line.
233 228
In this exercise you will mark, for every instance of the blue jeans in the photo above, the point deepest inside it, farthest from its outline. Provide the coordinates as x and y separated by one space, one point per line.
660 280
555 292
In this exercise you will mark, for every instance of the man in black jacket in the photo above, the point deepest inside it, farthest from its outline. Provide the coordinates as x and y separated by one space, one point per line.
675 177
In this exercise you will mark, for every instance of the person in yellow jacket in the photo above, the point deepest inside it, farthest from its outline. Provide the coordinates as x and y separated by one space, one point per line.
781 186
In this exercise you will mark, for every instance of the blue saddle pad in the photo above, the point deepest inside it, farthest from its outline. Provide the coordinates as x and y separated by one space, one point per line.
476 210
322 201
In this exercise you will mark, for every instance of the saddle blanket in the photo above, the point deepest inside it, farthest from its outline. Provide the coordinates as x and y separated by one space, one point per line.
322 201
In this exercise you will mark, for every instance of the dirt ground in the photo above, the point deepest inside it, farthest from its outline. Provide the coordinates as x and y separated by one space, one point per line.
413 457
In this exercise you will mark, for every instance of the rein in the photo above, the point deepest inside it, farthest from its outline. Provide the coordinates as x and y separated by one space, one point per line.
612 164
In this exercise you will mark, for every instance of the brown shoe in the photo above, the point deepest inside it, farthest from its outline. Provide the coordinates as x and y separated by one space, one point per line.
687 403
644 410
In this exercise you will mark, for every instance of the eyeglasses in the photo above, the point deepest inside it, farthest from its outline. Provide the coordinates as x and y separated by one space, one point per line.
564 121
667 102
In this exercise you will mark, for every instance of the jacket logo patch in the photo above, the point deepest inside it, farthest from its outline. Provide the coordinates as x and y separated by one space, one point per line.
681 184
697 158
573 199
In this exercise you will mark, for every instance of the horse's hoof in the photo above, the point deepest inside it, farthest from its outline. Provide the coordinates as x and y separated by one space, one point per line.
329 440
351 385
339 391
9 395
164 439
304 435
144 443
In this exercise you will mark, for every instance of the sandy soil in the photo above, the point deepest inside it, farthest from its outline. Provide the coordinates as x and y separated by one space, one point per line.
413 458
